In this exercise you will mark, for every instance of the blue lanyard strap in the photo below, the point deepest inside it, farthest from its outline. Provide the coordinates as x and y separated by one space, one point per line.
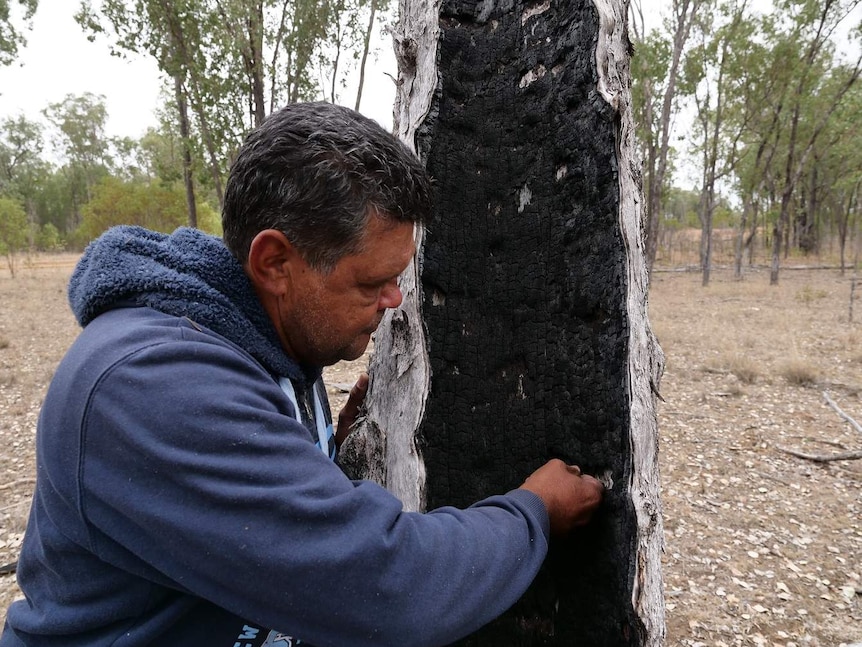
316 418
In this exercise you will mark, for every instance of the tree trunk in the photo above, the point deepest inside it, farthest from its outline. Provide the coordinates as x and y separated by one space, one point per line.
366 47
531 283
254 61
739 240
185 135
684 15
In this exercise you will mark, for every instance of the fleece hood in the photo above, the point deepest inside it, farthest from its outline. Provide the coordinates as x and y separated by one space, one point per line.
185 274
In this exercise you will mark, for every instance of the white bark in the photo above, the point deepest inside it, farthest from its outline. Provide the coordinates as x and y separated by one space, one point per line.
396 398
400 374
646 359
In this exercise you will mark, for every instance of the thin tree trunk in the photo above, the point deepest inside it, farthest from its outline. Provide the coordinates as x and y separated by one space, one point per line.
366 46
334 82
185 136
192 92
685 12
254 61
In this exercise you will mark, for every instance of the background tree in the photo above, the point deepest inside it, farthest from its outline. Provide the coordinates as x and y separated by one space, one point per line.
13 231
762 89
684 14
232 61
813 23
718 69
81 142
22 169
11 36
838 165
154 206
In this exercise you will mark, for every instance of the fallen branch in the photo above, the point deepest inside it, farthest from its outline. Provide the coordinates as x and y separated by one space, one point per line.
843 415
24 481
823 458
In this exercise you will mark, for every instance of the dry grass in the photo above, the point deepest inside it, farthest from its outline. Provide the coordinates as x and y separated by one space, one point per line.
799 372
743 367
809 295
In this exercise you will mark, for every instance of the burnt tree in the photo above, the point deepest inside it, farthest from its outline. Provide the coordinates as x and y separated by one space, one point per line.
523 334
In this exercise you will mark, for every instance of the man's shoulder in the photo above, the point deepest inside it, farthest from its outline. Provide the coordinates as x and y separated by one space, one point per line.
127 329
118 335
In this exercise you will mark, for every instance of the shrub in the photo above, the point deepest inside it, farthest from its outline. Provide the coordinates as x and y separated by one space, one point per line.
48 238
809 295
156 206
744 368
799 372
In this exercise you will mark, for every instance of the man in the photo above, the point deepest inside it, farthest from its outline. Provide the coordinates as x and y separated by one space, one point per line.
186 494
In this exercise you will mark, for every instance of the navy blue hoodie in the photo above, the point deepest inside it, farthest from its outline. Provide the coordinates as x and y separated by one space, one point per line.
179 502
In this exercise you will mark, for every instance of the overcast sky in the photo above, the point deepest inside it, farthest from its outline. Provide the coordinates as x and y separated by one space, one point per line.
59 60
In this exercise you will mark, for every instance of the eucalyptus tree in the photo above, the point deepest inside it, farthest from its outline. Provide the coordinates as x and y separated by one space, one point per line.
21 145
13 231
812 25
711 69
659 104
231 62
649 74
758 114
531 289
81 142
22 169
835 171
374 7
348 45
172 32
11 35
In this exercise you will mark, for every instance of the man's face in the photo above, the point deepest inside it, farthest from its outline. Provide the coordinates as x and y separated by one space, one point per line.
330 317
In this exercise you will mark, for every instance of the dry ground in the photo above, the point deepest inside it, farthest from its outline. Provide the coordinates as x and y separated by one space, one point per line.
762 548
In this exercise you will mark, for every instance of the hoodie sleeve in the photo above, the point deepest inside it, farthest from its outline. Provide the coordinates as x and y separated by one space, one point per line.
191 465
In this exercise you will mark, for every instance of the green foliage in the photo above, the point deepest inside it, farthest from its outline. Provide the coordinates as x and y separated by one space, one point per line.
209 220
48 238
681 208
724 216
161 155
11 37
80 139
52 203
230 63
21 165
13 230
13 226
152 205
80 121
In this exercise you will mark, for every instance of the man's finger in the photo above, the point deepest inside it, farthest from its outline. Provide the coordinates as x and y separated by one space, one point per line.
357 394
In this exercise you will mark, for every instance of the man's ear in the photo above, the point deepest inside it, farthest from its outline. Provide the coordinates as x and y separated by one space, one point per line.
272 262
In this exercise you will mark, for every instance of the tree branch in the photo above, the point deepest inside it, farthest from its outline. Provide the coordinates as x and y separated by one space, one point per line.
823 458
16 483
841 413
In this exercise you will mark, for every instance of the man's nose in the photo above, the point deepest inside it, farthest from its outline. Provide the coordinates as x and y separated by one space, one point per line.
391 296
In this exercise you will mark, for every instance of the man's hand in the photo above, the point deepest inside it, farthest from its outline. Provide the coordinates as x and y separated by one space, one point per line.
569 496
347 415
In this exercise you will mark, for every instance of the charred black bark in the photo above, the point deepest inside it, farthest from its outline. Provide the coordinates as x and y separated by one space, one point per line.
523 285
